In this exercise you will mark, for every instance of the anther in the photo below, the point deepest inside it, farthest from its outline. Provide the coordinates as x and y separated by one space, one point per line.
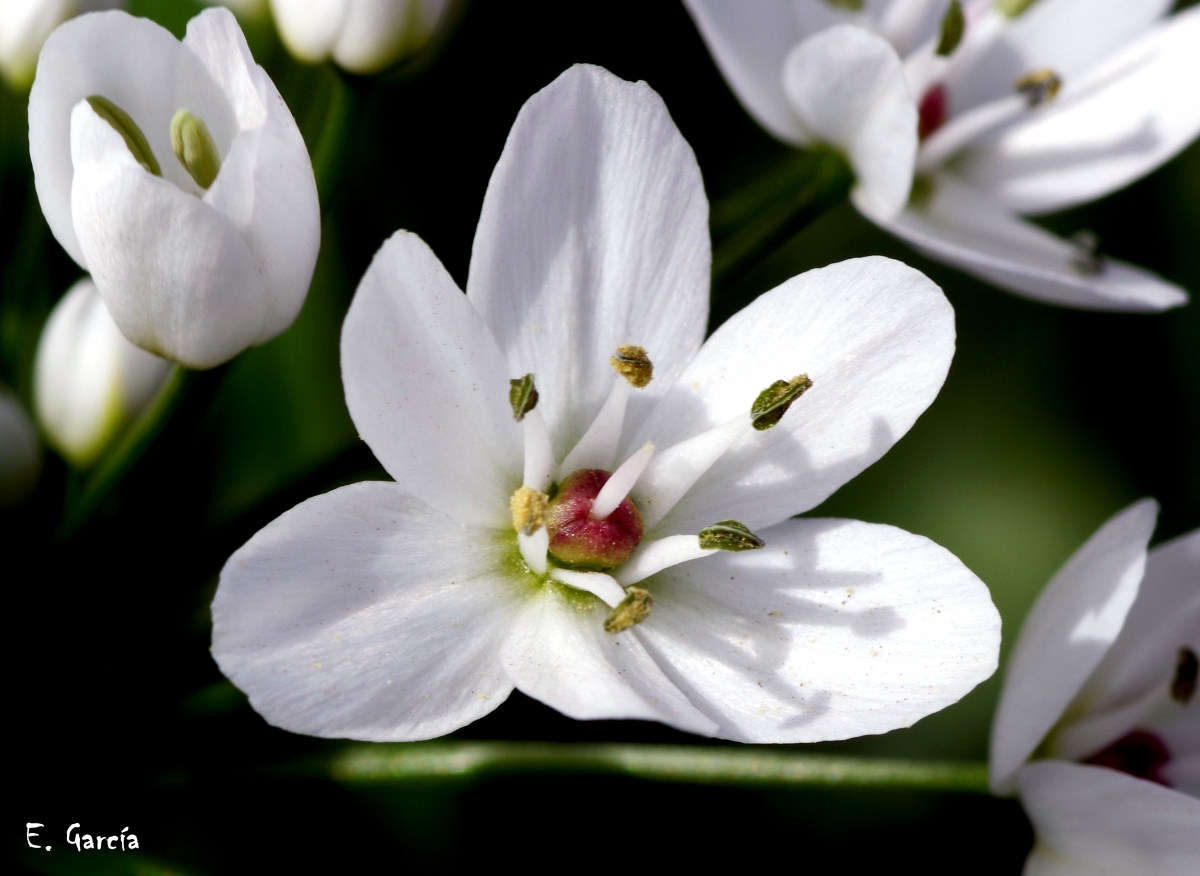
634 609
1187 667
773 402
1087 259
120 122
528 510
954 24
523 396
633 364
1038 86
194 147
729 535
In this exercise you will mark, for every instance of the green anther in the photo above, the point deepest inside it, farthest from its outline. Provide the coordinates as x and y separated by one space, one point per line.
633 609
1013 8
923 190
523 396
852 5
129 131
729 535
953 26
773 402
194 147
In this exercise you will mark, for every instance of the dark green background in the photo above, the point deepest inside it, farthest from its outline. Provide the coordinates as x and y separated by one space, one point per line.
1051 421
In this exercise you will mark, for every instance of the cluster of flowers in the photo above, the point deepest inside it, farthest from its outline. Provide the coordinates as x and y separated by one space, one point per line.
592 503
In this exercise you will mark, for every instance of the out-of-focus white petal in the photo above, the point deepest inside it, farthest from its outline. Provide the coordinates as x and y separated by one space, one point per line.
309 28
266 186
1105 130
89 381
875 337
427 386
24 26
1067 36
363 36
593 234
559 653
20 451
365 613
749 42
847 86
964 228
1092 821
175 274
1073 623
835 629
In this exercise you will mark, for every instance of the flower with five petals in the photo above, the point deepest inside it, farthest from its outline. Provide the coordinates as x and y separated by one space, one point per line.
1017 108
616 545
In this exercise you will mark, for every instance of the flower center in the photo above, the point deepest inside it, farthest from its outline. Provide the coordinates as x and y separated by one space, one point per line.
577 538
1138 753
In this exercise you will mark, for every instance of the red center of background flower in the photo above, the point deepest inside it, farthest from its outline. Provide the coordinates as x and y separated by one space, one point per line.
934 108
1139 754
578 540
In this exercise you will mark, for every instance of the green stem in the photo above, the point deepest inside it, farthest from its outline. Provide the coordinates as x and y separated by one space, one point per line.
334 101
125 453
704 765
753 221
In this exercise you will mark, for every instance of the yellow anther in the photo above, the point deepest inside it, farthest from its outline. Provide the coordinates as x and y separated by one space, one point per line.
633 364
528 510
1039 86
633 609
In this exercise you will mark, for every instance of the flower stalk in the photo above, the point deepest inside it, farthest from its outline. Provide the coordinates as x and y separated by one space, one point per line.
687 764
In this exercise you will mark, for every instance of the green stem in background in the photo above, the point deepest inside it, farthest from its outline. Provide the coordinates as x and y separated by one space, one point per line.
125 453
702 765
752 222
332 104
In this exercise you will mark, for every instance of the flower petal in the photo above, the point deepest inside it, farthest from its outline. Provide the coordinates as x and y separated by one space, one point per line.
964 228
427 386
137 65
749 42
364 613
1105 130
378 32
1065 636
1092 821
560 654
266 185
1067 36
835 629
847 86
875 337
175 274
309 29
594 233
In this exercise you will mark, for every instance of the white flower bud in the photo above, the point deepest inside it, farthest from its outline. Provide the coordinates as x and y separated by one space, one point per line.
24 26
362 36
215 254
20 452
89 382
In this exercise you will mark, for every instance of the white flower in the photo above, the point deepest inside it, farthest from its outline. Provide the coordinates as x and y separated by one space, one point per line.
363 36
89 382
1104 671
405 610
24 26
174 173
1037 108
20 451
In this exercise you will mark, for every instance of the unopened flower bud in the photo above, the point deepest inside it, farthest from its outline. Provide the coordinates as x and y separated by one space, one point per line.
576 538
89 382
194 147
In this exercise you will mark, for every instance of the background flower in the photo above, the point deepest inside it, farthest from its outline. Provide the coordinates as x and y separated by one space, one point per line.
24 26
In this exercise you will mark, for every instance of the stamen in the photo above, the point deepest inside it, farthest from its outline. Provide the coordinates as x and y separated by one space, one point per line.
954 24
1038 86
633 609
522 395
633 364
194 147
955 133
613 493
598 445
539 455
533 549
729 535
1087 259
596 583
1013 8
123 124
654 556
528 510
675 471
1187 667
773 402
